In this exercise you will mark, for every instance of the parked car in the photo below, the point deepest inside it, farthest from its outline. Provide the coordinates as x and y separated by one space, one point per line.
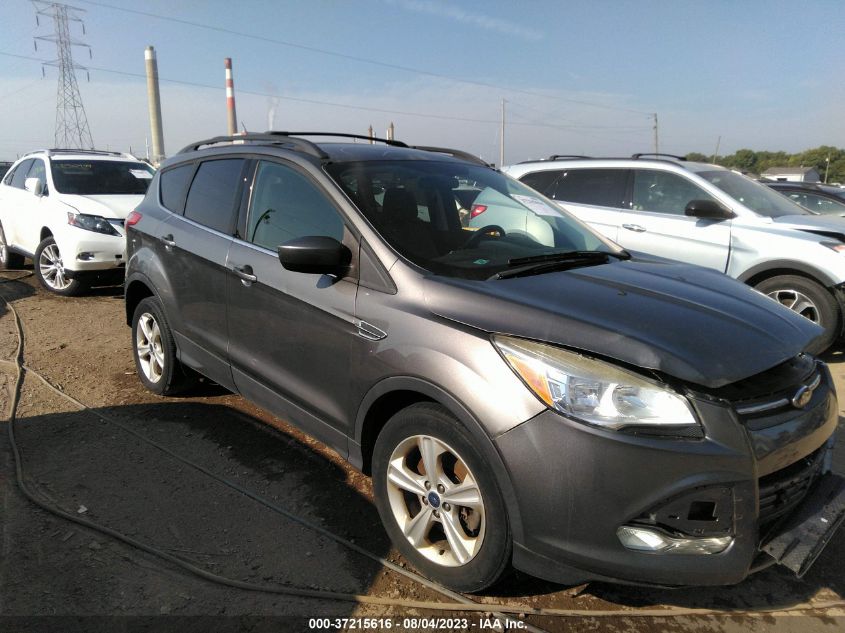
815 197
65 209
524 393
707 215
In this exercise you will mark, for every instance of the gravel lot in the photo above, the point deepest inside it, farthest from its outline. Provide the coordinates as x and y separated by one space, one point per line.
116 477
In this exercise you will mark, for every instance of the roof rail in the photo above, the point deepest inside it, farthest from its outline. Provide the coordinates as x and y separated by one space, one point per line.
471 158
566 157
363 137
281 138
658 154
97 152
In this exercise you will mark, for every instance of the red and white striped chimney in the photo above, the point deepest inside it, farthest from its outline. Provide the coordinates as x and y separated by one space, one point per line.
230 98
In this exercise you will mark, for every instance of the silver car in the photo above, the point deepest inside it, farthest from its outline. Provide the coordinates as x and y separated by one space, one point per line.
707 215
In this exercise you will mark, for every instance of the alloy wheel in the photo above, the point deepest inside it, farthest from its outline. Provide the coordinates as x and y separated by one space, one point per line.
436 500
52 269
797 302
149 347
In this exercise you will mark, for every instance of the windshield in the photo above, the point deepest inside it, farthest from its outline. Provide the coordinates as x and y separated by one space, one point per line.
759 198
101 177
460 220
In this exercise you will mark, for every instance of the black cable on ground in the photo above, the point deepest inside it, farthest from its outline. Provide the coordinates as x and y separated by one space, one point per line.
464 605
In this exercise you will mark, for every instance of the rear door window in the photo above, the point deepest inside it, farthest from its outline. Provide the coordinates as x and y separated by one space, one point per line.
214 191
598 187
542 181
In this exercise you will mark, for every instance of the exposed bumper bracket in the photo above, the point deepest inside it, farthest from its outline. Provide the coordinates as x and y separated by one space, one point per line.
804 535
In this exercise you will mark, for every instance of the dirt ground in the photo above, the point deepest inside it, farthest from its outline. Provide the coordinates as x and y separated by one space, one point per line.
130 478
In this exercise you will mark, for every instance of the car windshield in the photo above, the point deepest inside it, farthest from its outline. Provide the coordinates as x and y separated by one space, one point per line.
101 177
759 198
461 220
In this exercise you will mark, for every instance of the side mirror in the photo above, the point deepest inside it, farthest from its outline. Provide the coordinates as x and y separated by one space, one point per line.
315 254
35 186
708 209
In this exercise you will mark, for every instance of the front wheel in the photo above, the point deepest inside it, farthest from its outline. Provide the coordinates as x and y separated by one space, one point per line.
810 300
438 499
50 269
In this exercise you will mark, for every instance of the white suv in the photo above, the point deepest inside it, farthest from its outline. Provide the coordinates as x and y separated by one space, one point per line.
707 215
65 209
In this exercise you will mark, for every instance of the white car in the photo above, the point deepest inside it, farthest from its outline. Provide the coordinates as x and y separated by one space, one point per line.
65 209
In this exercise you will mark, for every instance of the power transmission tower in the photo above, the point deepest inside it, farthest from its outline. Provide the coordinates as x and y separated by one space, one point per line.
72 129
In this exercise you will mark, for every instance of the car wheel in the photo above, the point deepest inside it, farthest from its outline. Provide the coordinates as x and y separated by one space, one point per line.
155 350
810 300
50 270
8 259
439 500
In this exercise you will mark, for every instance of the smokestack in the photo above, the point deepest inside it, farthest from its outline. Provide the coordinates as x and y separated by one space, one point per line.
230 97
390 131
154 105
370 134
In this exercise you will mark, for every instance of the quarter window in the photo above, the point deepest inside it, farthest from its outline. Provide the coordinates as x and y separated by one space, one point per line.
211 200
286 205
599 187
664 192
174 185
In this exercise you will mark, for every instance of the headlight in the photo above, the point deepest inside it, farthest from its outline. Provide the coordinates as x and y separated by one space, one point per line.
598 393
95 223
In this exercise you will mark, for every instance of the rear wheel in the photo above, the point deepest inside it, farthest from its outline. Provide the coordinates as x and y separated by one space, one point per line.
8 259
50 269
439 500
810 300
155 350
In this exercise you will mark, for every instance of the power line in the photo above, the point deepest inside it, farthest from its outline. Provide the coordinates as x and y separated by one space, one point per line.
363 60
426 115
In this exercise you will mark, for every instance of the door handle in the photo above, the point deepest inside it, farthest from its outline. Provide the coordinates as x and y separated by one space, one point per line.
636 228
245 273
168 240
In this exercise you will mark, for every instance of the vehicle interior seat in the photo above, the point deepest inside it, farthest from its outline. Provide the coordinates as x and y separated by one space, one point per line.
401 223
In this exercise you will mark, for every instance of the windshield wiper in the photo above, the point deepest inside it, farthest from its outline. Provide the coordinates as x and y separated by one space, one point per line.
539 264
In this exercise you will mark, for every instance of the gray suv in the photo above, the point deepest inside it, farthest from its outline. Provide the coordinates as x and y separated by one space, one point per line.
707 215
530 395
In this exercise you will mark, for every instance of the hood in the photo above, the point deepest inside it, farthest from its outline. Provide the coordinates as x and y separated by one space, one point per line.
832 225
109 206
694 324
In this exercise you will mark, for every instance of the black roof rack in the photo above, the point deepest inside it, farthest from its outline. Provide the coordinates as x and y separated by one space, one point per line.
471 158
566 157
294 139
658 154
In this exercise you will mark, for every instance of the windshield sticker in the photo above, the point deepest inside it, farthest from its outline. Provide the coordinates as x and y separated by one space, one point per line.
143 174
536 205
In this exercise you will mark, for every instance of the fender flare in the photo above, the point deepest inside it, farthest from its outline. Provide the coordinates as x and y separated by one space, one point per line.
789 264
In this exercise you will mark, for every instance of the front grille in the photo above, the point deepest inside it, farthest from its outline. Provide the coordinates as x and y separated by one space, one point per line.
784 489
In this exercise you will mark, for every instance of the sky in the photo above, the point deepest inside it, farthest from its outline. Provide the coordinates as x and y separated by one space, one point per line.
576 76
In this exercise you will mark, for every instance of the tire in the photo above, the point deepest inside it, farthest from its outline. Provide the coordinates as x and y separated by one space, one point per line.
155 350
50 271
463 546
8 259
810 300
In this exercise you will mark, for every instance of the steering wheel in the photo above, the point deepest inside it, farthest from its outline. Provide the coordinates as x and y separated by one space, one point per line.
491 230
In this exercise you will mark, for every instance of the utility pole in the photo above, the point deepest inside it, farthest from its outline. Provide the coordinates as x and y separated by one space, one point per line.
716 153
154 105
72 129
502 138
656 144
826 167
